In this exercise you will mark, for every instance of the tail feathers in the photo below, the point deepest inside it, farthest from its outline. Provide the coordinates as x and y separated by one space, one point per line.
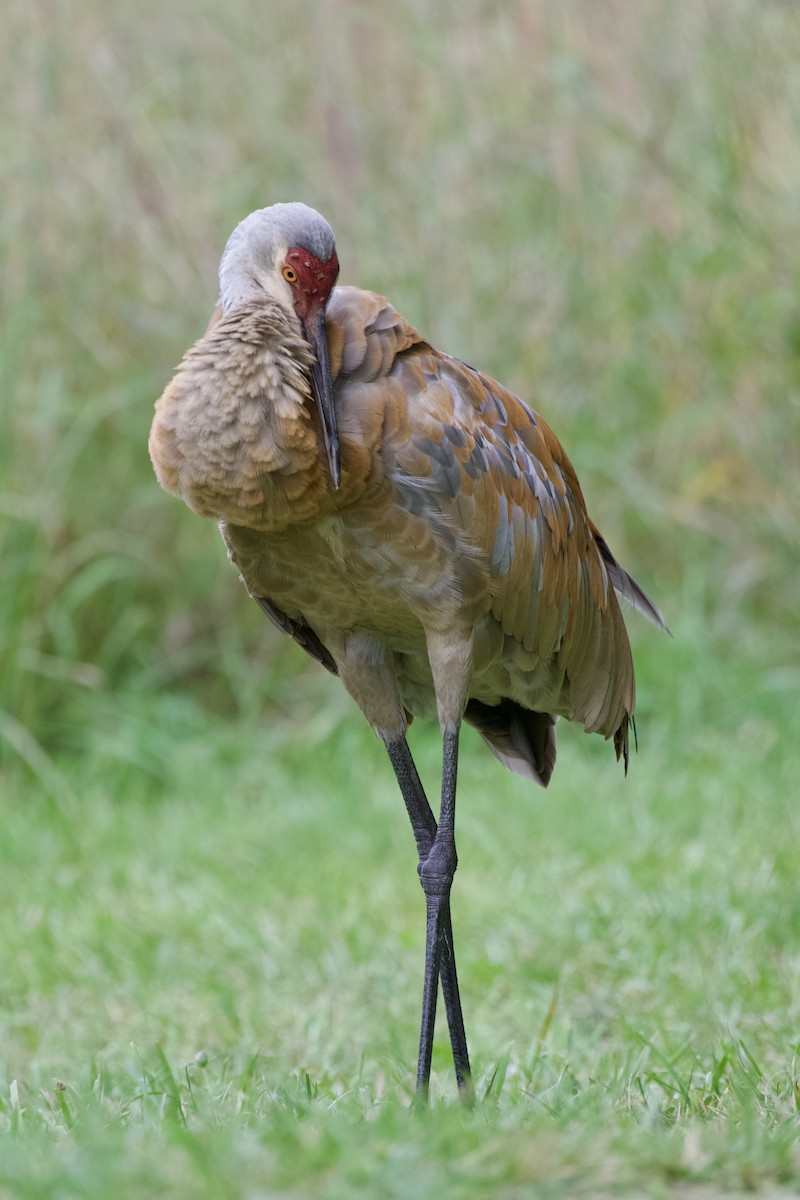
627 587
621 739
523 740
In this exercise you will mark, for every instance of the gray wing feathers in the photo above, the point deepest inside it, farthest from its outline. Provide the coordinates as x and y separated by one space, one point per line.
627 587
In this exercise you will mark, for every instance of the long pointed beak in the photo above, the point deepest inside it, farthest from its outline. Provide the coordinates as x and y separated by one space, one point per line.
322 382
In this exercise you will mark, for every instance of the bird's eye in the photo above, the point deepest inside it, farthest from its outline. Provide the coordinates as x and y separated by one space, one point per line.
290 275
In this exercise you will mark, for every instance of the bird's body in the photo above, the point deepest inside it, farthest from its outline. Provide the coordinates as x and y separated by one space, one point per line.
434 549
457 508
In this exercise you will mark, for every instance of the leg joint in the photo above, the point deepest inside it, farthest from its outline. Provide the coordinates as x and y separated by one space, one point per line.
436 871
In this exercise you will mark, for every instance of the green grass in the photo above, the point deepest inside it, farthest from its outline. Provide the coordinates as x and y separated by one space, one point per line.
202 851
628 951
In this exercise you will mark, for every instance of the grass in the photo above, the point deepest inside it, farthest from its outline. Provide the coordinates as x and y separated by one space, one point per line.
210 929
209 988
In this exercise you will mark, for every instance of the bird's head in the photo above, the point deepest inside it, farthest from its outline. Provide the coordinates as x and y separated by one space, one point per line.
287 252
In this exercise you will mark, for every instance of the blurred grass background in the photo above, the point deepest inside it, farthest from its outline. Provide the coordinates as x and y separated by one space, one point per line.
598 203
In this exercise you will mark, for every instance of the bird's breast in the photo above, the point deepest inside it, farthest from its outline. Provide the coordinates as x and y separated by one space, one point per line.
343 574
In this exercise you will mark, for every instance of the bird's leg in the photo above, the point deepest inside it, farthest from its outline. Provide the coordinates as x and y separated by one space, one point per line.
436 876
366 673
452 997
450 658
439 949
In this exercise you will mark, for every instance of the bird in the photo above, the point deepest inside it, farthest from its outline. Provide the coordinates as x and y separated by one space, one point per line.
416 527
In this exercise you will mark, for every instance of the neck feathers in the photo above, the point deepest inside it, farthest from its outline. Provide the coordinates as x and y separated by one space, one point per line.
235 432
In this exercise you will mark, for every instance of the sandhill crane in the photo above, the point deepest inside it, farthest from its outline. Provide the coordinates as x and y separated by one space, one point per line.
411 523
